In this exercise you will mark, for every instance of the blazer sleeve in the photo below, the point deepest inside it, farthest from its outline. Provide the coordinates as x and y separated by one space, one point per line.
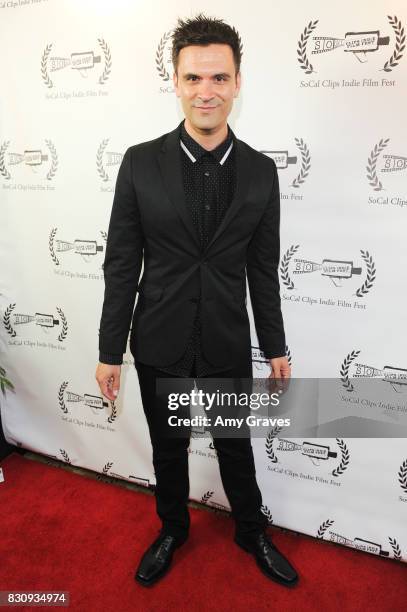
122 266
263 256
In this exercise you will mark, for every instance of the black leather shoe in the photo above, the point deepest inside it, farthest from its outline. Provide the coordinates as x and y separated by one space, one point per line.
270 560
157 559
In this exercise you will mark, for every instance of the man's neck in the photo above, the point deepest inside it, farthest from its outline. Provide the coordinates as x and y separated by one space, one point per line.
209 140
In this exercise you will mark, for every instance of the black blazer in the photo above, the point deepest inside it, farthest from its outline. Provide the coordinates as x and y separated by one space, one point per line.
150 217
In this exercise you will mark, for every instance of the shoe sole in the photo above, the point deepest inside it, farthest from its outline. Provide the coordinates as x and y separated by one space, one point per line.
279 581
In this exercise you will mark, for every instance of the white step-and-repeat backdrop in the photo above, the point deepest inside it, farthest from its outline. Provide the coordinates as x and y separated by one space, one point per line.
323 92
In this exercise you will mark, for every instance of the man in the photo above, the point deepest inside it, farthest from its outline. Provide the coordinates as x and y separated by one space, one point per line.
200 206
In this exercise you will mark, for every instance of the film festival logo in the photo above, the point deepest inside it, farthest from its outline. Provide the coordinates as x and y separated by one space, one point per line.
261 364
48 323
339 272
352 369
107 475
358 543
87 404
379 167
92 66
88 250
37 163
362 45
277 448
105 162
283 160
163 60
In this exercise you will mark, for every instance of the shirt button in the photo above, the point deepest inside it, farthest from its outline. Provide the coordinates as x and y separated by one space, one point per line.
207 207
206 173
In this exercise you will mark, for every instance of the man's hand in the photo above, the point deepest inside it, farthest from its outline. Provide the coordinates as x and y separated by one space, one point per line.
280 368
108 377
280 373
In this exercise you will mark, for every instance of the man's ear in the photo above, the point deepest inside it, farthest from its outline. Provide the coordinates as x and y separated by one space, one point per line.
238 83
175 82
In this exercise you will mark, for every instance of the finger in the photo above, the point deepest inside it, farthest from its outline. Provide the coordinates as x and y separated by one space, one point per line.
106 390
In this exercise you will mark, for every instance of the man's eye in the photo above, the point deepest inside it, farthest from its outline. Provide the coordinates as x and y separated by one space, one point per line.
192 78
219 77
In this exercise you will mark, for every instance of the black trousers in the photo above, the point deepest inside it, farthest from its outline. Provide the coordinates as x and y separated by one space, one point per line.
170 461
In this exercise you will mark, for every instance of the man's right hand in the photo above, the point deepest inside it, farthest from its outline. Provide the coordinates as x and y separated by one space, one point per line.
108 377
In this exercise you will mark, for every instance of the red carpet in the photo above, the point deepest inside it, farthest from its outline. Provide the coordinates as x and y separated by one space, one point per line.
63 531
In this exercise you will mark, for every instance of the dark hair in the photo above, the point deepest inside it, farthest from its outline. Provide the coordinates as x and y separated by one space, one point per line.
202 30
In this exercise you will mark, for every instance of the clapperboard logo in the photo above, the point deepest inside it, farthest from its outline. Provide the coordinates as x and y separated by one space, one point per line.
360 45
48 323
107 160
381 166
316 453
93 64
338 271
38 162
85 404
278 449
351 369
285 159
87 249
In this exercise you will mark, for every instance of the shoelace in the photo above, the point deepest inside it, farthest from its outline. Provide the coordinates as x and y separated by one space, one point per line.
264 543
164 546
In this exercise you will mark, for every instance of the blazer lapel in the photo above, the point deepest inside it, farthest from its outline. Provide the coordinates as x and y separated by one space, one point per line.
243 164
169 160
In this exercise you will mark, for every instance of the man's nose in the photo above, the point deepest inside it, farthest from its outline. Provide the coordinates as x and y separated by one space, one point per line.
206 92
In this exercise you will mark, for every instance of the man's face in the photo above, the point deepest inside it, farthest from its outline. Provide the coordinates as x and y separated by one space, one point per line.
206 84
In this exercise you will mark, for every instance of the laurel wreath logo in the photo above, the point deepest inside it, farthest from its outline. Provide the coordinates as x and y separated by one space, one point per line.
267 513
323 527
65 456
3 169
108 61
206 497
396 549
345 458
105 471
64 330
44 67
54 159
302 47
285 276
269 443
370 277
99 160
61 397
6 320
113 414
344 370
403 476
159 56
372 163
399 46
305 163
51 246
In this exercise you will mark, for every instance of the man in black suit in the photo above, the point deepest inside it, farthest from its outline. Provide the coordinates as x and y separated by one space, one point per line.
202 208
